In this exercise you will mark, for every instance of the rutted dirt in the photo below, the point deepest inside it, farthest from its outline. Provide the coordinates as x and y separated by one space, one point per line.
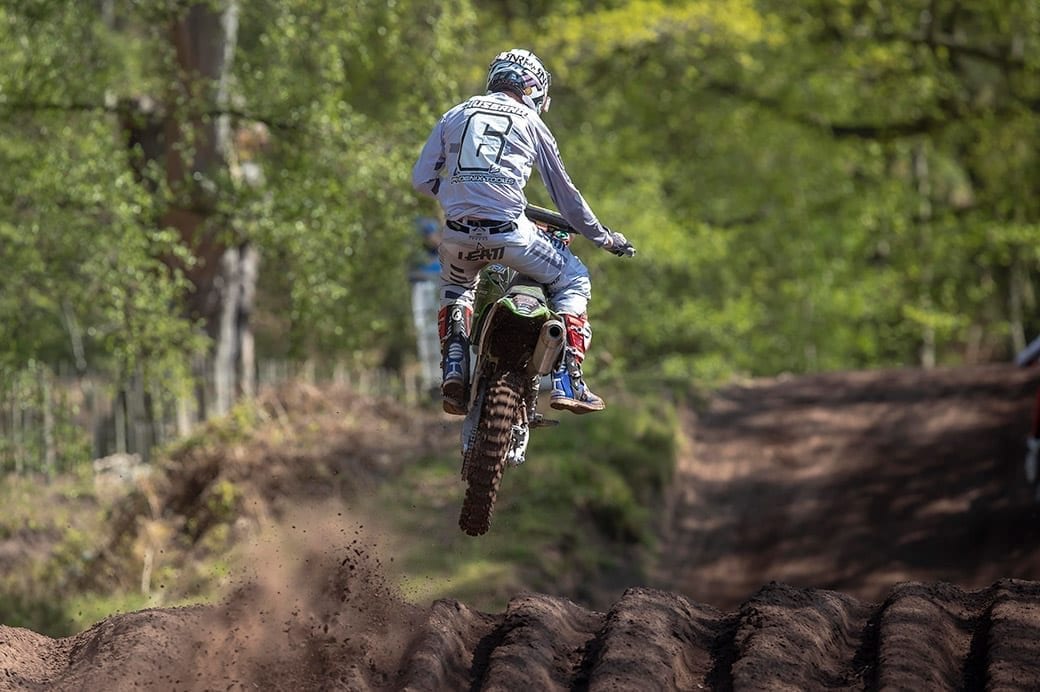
922 637
848 531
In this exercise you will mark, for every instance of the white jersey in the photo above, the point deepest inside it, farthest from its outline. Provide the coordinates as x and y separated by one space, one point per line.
479 157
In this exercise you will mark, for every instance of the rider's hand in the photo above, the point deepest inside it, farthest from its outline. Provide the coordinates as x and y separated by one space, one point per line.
618 244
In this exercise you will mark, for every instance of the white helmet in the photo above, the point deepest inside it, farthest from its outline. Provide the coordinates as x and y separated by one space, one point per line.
519 71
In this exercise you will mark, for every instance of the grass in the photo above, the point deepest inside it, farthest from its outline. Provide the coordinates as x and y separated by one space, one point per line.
580 508
57 527
50 524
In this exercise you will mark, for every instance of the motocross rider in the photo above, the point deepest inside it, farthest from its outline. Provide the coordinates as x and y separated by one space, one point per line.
476 163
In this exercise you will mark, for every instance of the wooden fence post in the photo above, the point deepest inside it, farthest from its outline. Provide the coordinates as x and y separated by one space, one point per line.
16 428
49 455
119 417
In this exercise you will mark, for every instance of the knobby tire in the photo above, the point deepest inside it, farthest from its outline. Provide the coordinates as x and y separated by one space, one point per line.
502 406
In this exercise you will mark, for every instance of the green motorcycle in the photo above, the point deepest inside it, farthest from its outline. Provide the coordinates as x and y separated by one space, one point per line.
517 341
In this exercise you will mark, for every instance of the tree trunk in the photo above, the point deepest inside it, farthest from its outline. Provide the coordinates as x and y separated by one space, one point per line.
234 358
225 273
191 135
922 176
250 259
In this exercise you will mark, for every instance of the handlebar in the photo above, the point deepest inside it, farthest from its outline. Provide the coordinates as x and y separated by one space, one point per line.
555 221
547 216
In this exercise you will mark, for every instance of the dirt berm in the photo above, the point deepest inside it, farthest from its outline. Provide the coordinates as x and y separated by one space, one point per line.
846 531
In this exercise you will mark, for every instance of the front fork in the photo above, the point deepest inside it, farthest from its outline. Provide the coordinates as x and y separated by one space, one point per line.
522 428
533 388
531 419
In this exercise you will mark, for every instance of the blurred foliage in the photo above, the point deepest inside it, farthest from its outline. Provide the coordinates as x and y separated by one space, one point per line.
812 185
579 510
47 528
815 185
42 430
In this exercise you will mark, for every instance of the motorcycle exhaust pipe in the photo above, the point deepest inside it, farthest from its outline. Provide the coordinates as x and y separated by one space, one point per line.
548 348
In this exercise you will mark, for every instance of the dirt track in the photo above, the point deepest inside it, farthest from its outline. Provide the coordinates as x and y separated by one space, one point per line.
856 482
922 637
861 494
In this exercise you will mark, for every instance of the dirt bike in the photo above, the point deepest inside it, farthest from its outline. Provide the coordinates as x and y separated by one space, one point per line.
517 340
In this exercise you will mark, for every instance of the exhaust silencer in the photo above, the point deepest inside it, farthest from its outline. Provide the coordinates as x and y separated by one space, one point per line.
548 348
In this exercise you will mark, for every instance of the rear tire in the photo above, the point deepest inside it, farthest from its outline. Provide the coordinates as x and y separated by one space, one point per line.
503 401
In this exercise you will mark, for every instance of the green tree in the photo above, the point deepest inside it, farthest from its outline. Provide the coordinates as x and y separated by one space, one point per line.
126 131
816 185
813 185
83 277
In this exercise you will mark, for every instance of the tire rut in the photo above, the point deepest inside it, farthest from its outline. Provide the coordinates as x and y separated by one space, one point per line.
923 636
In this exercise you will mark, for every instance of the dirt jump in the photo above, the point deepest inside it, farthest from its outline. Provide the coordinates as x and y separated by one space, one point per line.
845 531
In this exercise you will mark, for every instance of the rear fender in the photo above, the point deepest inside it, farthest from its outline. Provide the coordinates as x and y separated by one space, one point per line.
522 301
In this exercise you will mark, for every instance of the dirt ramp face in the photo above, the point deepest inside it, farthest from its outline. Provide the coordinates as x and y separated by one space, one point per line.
441 655
27 658
150 649
922 637
1013 620
541 644
795 639
659 640
939 637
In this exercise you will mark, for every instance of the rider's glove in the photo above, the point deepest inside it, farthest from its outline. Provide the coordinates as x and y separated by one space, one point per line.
558 237
618 244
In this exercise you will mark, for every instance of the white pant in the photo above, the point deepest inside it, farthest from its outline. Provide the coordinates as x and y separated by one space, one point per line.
527 250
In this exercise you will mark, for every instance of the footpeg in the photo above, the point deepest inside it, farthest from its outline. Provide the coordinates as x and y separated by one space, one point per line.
540 421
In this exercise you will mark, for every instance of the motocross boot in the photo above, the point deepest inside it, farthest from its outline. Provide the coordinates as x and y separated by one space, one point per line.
569 391
453 324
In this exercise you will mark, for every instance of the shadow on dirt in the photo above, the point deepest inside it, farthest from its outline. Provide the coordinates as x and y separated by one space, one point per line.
856 482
